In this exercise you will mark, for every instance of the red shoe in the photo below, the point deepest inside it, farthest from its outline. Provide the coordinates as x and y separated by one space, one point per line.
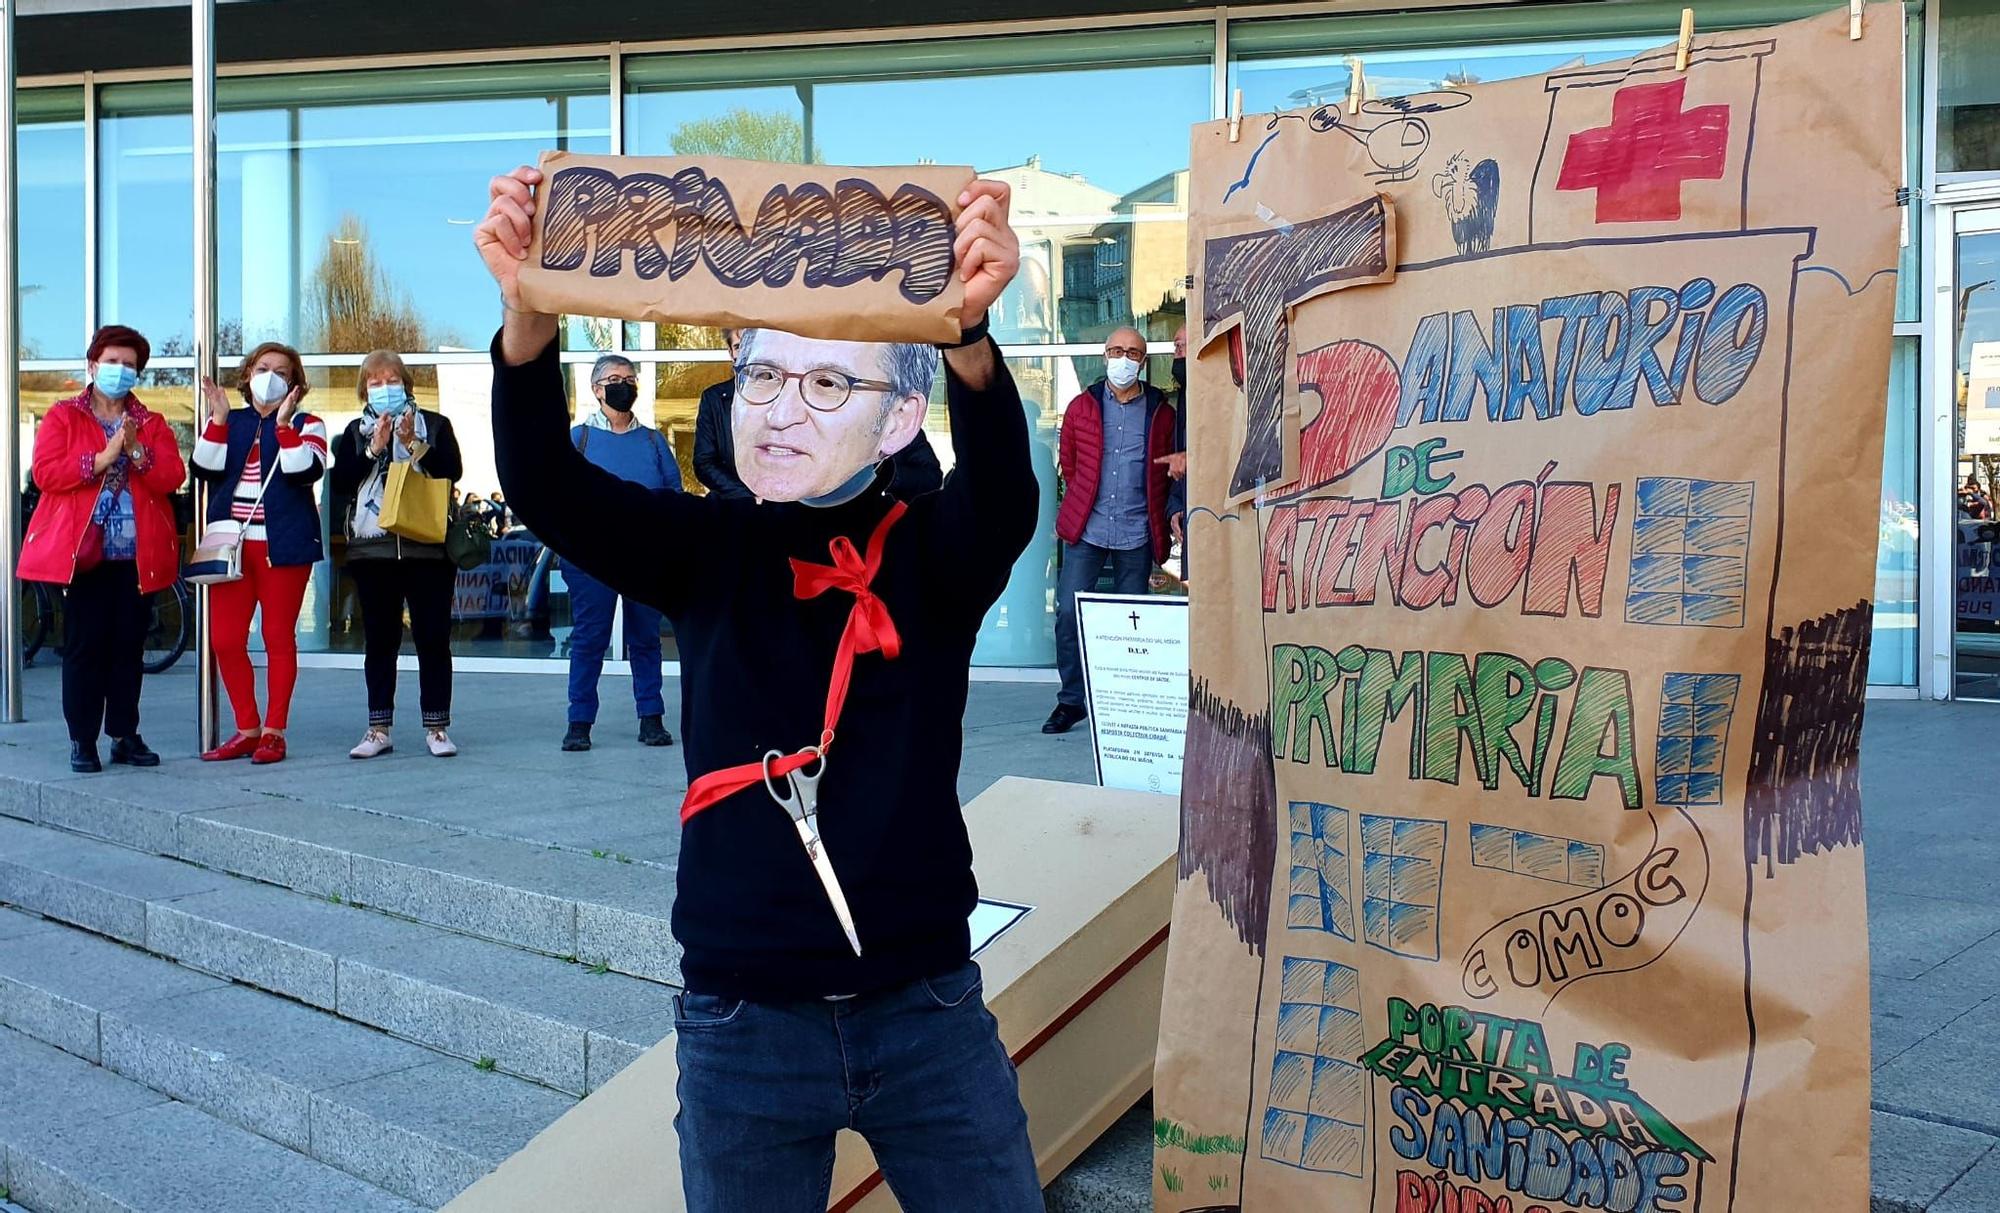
240 746
271 749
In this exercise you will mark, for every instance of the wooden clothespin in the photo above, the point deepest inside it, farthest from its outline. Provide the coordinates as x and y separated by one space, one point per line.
1854 8
1236 116
1356 84
1687 40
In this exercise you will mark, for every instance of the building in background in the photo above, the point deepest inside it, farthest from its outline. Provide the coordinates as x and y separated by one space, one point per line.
355 140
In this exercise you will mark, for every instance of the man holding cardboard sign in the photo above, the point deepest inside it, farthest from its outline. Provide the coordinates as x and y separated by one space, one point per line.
829 984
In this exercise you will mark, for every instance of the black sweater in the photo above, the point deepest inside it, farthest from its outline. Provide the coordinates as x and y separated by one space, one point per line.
755 661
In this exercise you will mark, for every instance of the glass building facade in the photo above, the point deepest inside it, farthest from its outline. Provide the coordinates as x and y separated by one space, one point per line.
345 200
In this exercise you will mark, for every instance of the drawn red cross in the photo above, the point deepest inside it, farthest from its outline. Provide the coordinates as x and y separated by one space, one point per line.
1637 164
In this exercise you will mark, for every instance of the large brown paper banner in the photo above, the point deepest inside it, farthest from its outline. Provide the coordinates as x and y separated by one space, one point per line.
1521 865
857 254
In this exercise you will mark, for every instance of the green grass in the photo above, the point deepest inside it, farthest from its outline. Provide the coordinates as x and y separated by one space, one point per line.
600 968
487 1064
1171 1179
1217 1183
335 898
1168 1134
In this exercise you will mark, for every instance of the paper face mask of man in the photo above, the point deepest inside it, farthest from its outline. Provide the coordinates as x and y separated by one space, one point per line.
811 417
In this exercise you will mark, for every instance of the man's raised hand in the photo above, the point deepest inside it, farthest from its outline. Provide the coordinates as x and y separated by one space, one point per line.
988 251
504 235
502 239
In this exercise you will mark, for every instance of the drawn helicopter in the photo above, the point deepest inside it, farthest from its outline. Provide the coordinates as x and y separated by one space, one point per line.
1390 128
1398 142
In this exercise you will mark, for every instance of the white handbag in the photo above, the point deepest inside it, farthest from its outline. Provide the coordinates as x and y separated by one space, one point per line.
218 554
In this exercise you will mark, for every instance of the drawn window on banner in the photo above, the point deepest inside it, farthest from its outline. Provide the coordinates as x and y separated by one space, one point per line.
1690 553
1317 1117
991 919
1542 856
1322 897
1402 884
1135 676
1695 710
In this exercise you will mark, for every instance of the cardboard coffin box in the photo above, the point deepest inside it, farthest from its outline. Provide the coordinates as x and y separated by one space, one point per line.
1074 981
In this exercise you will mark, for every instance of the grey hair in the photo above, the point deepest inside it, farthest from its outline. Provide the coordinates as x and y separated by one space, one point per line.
605 362
911 368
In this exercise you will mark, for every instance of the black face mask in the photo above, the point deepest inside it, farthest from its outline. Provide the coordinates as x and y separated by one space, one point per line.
1180 371
620 396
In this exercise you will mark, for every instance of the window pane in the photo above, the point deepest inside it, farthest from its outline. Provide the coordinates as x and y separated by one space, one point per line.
1653 22
1892 661
1296 81
50 236
1101 206
1020 629
1909 263
1968 86
344 202
145 219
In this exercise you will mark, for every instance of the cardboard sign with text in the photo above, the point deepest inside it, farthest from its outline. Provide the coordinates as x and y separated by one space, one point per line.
856 254
1521 821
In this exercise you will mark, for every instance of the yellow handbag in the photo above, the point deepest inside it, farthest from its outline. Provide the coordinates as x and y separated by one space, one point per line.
415 505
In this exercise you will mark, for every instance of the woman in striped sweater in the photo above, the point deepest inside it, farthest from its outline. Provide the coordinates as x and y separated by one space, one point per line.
272 440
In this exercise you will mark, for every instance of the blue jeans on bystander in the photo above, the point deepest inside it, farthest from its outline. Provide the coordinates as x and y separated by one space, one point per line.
1082 568
591 604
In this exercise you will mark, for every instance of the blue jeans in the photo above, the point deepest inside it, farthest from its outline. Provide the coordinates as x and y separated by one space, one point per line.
591 604
918 1071
1082 566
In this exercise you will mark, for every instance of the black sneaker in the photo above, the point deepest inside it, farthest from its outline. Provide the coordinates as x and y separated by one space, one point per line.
577 740
83 758
1064 718
133 752
653 732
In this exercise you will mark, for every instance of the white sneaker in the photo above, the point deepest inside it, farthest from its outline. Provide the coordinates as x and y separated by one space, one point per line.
373 742
441 746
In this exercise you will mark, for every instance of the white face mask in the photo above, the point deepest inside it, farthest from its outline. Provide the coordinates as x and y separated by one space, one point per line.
268 387
1122 372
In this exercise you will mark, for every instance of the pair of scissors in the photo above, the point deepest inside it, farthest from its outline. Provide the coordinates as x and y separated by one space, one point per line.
801 800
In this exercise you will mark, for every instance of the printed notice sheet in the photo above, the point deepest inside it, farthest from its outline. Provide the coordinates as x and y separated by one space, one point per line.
1135 666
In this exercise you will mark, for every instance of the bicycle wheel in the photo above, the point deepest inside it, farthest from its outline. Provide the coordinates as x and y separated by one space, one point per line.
171 627
37 617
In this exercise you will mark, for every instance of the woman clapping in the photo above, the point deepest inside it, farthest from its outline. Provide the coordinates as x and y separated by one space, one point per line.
107 467
263 460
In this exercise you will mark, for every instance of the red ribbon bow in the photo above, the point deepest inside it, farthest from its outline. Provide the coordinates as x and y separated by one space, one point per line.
869 629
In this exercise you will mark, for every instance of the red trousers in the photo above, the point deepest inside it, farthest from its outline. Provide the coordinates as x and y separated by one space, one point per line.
232 604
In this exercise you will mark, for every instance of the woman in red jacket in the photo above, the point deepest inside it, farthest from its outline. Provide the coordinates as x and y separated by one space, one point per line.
104 528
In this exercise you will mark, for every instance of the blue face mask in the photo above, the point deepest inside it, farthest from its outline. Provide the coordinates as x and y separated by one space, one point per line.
114 379
389 399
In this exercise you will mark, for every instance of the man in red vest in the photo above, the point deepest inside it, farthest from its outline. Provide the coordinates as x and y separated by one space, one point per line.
1116 436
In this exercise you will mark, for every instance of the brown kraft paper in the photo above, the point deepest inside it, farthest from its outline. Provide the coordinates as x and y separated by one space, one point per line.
855 254
1534 493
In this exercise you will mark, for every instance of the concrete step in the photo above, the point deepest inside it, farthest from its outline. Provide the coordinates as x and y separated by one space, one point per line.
601 907
76 1138
1115 1175
534 1016
401 1116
